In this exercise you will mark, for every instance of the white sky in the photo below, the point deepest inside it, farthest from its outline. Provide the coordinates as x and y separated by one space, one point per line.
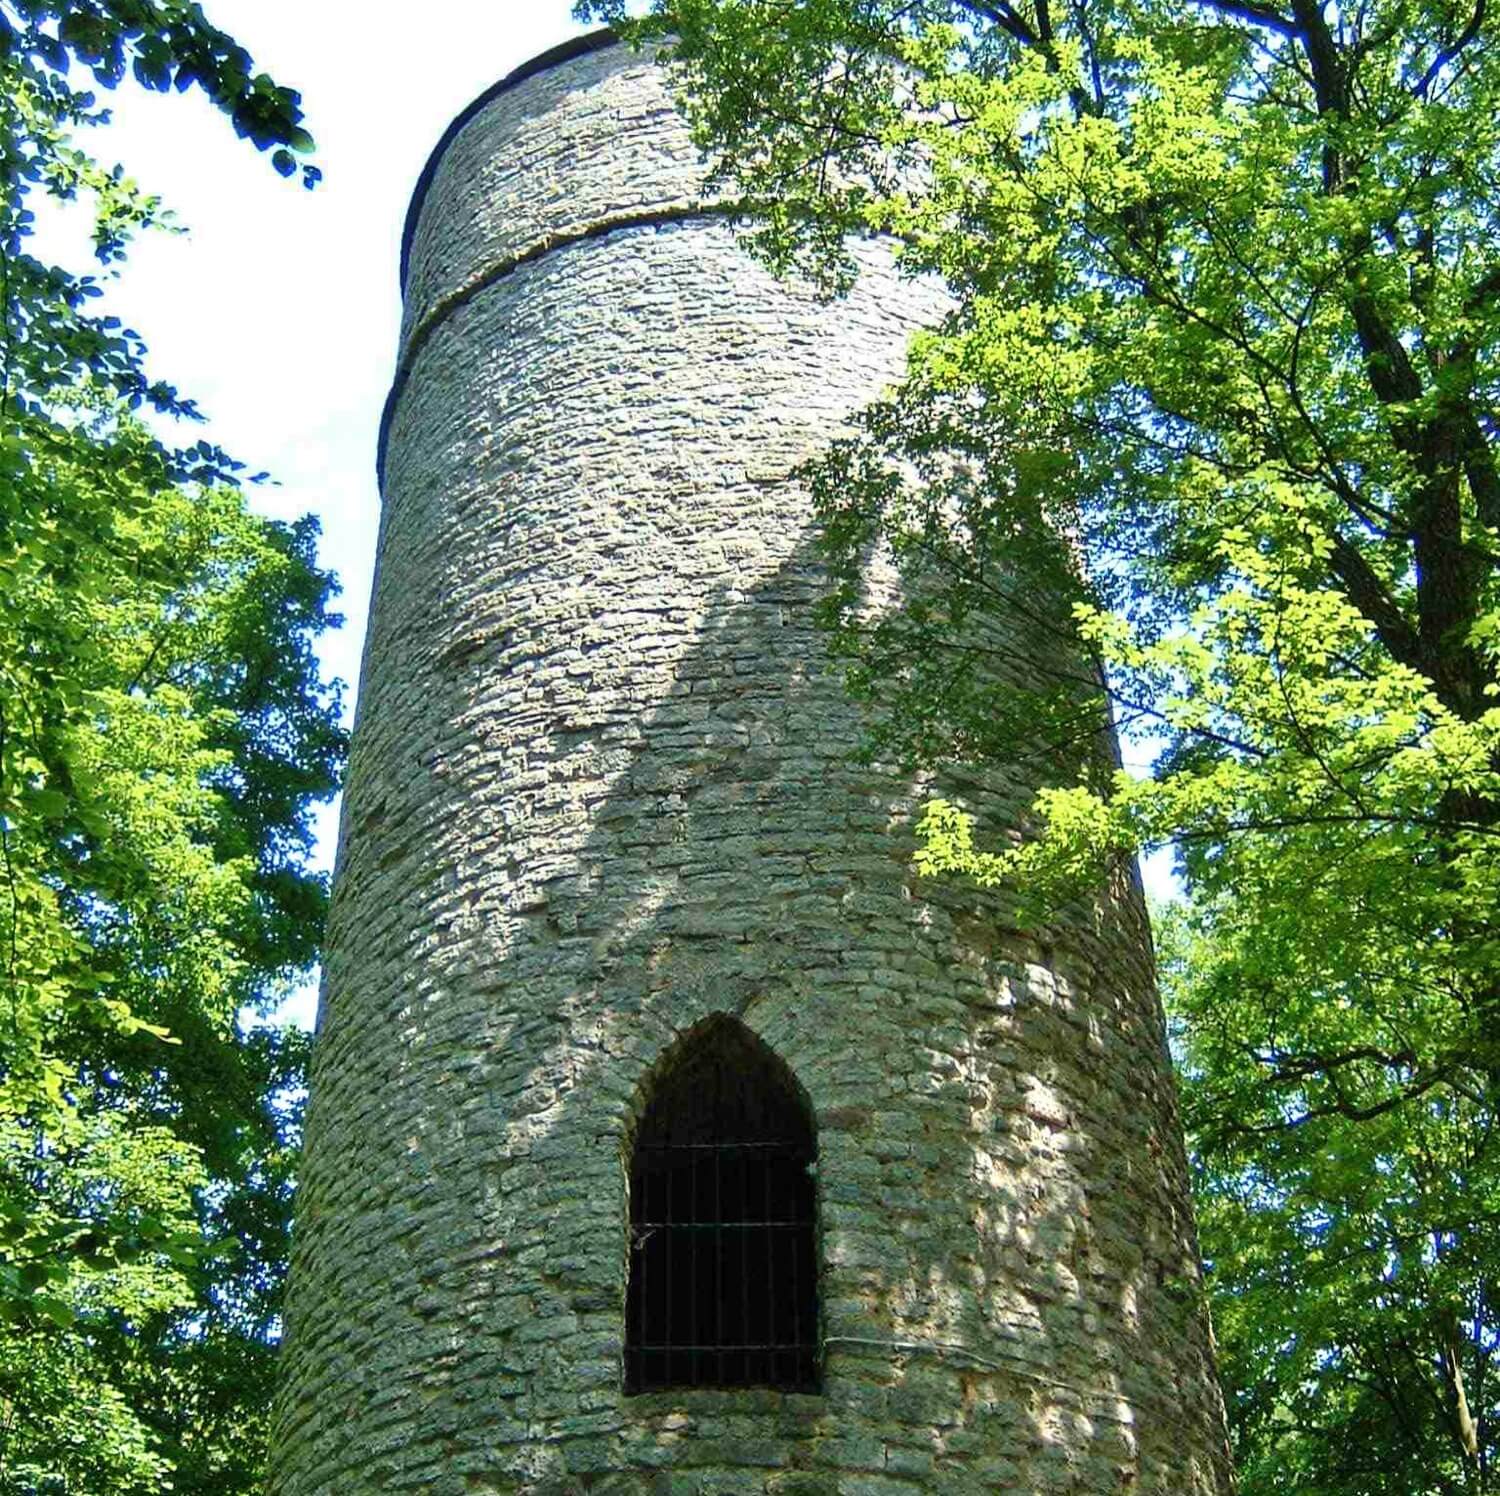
278 309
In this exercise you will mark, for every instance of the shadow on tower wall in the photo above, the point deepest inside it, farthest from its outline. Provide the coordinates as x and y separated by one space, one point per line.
1007 1278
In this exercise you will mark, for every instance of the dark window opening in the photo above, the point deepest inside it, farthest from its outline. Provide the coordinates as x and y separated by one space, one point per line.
723 1287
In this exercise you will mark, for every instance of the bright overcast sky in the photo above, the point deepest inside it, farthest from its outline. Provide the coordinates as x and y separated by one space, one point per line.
278 309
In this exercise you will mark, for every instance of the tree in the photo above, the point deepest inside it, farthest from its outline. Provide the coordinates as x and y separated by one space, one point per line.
164 734
1218 400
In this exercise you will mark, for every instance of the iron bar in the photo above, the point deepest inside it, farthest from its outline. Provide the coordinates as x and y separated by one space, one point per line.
718 1157
713 1350
666 1286
790 1143
723 1225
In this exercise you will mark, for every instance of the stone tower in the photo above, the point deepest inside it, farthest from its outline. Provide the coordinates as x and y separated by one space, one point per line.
666 1136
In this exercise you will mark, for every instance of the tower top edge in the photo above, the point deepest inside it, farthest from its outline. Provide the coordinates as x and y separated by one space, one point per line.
574 47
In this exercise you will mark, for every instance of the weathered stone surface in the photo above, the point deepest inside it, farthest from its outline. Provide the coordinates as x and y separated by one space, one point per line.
601 790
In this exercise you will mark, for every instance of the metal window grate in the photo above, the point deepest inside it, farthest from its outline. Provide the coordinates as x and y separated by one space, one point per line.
723 1269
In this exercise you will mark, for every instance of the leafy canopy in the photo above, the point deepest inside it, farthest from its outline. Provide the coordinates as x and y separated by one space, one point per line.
164 734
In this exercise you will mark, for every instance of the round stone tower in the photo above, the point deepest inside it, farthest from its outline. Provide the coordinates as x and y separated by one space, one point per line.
666 1134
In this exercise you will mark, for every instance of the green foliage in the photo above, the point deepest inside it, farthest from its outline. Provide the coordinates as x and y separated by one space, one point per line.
163 736
1218 404
1349 1231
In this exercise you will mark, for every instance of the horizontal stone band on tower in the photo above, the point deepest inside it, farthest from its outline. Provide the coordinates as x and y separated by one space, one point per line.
605 835
553 57
418 332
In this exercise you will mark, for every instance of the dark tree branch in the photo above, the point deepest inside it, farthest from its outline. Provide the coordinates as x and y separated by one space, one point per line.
1448 54
1007 18
1256 15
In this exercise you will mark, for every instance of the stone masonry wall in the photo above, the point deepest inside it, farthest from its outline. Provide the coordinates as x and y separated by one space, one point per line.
601 790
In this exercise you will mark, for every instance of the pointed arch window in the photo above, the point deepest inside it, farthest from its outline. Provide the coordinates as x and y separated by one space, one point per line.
723 1287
